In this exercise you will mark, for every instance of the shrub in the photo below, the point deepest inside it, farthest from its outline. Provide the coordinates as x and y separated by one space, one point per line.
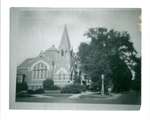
95 86
55 87
38 91
21 86
74 88
48 84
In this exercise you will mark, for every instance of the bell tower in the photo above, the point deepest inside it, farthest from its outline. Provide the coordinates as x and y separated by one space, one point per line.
65 50
64 60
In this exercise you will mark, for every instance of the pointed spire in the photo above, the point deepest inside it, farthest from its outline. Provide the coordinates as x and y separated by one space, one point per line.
65 42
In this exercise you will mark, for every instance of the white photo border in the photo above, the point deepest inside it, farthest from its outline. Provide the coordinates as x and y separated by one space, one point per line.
7 114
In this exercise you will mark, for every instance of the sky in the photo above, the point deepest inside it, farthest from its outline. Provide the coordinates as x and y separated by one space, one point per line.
36 29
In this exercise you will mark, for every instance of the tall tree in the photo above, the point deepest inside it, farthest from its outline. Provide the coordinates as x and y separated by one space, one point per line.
97 57
136 83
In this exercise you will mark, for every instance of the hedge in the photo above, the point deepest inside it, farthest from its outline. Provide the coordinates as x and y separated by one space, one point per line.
74 88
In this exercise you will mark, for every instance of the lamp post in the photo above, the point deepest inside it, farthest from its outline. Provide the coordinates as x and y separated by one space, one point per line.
102 85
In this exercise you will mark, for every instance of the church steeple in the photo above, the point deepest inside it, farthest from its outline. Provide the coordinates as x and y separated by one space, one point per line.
65 42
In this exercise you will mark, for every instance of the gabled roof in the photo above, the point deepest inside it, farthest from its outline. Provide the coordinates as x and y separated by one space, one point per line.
30 61
26 62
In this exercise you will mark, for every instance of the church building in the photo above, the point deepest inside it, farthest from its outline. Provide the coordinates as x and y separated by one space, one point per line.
53 63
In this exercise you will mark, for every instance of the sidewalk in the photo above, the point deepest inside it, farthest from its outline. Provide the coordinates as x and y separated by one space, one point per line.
93 95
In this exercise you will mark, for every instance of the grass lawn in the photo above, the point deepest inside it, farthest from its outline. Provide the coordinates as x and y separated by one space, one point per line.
57 97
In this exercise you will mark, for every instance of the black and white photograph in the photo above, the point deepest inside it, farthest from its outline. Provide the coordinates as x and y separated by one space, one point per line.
75 58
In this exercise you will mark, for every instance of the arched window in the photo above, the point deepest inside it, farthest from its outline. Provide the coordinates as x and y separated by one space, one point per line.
39 71
62 76
59 76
